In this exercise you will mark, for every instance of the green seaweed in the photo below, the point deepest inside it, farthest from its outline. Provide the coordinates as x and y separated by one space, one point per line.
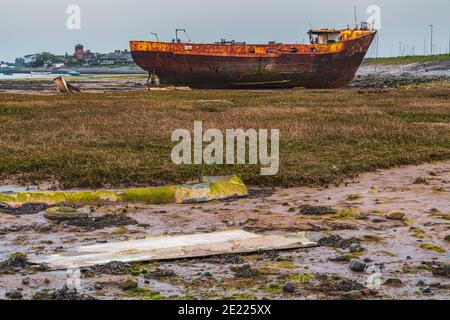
432 247
162 195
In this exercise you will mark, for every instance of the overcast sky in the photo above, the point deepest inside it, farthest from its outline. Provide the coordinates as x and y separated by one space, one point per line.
31 26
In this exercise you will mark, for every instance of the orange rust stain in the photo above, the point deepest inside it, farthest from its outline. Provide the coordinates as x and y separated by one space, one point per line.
271 50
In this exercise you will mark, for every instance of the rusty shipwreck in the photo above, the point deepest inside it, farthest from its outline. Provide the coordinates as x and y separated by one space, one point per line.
329 61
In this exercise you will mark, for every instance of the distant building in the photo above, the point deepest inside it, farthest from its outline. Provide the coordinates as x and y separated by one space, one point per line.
82 55
116 57
30 58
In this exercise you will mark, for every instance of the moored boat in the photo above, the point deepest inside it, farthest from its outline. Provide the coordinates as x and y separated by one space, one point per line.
74 73
329 61
40 73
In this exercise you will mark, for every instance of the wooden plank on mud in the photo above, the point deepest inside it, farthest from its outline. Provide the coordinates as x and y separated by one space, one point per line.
174 247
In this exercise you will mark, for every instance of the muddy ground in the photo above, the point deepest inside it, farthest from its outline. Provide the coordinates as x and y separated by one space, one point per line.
369 76
406 258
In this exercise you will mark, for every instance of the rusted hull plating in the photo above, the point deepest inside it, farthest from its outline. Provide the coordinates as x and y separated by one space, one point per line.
206 66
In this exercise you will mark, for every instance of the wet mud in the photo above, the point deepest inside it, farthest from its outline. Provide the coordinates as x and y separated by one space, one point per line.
381 236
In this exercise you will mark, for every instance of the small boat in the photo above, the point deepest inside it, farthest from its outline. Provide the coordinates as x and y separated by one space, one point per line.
8 73
74 73
40 73
329 61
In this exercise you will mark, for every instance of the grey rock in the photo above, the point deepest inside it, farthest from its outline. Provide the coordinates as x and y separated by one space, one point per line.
357 265
340 258
355 247
289 288
393 282
352 295
427 290
14 295
98 286
420 283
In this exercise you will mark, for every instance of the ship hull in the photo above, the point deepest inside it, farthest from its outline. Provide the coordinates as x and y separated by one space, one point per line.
324 68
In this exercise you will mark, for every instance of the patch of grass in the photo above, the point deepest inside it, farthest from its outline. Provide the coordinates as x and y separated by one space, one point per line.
372 238
421 116
144 293
241 296
418 233
301 278
124 139
272 288
347 214
409 59
353 197
286 265
432 247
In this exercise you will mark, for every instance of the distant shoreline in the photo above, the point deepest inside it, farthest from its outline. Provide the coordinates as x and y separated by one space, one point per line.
82 70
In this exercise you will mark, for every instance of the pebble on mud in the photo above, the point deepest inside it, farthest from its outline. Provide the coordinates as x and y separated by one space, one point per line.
129 283
15 263
244 271
395 215
393 282
340 258
316 211
15 295
356 247
357 265
289 288
64 214
352 295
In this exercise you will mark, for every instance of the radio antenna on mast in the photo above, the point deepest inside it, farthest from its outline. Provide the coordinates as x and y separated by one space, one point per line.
356 17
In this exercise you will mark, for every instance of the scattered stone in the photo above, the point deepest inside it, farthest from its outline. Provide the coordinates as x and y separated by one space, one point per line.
129 283
395 215
376 220
367 260
25 209
435 284
15 295
63 294
25 281
393 282
420 283
337 241
64 214
161 274
316 211
441 269
112 268
273 255
106 221
447 238
340 258
356 247
225 259
353 295
291 210
98 286
357 265
427 290
347 285
244 271
207 275
420 180
342 226
289 288
15 263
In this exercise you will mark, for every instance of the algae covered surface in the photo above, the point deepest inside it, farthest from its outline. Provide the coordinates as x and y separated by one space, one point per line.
228 187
